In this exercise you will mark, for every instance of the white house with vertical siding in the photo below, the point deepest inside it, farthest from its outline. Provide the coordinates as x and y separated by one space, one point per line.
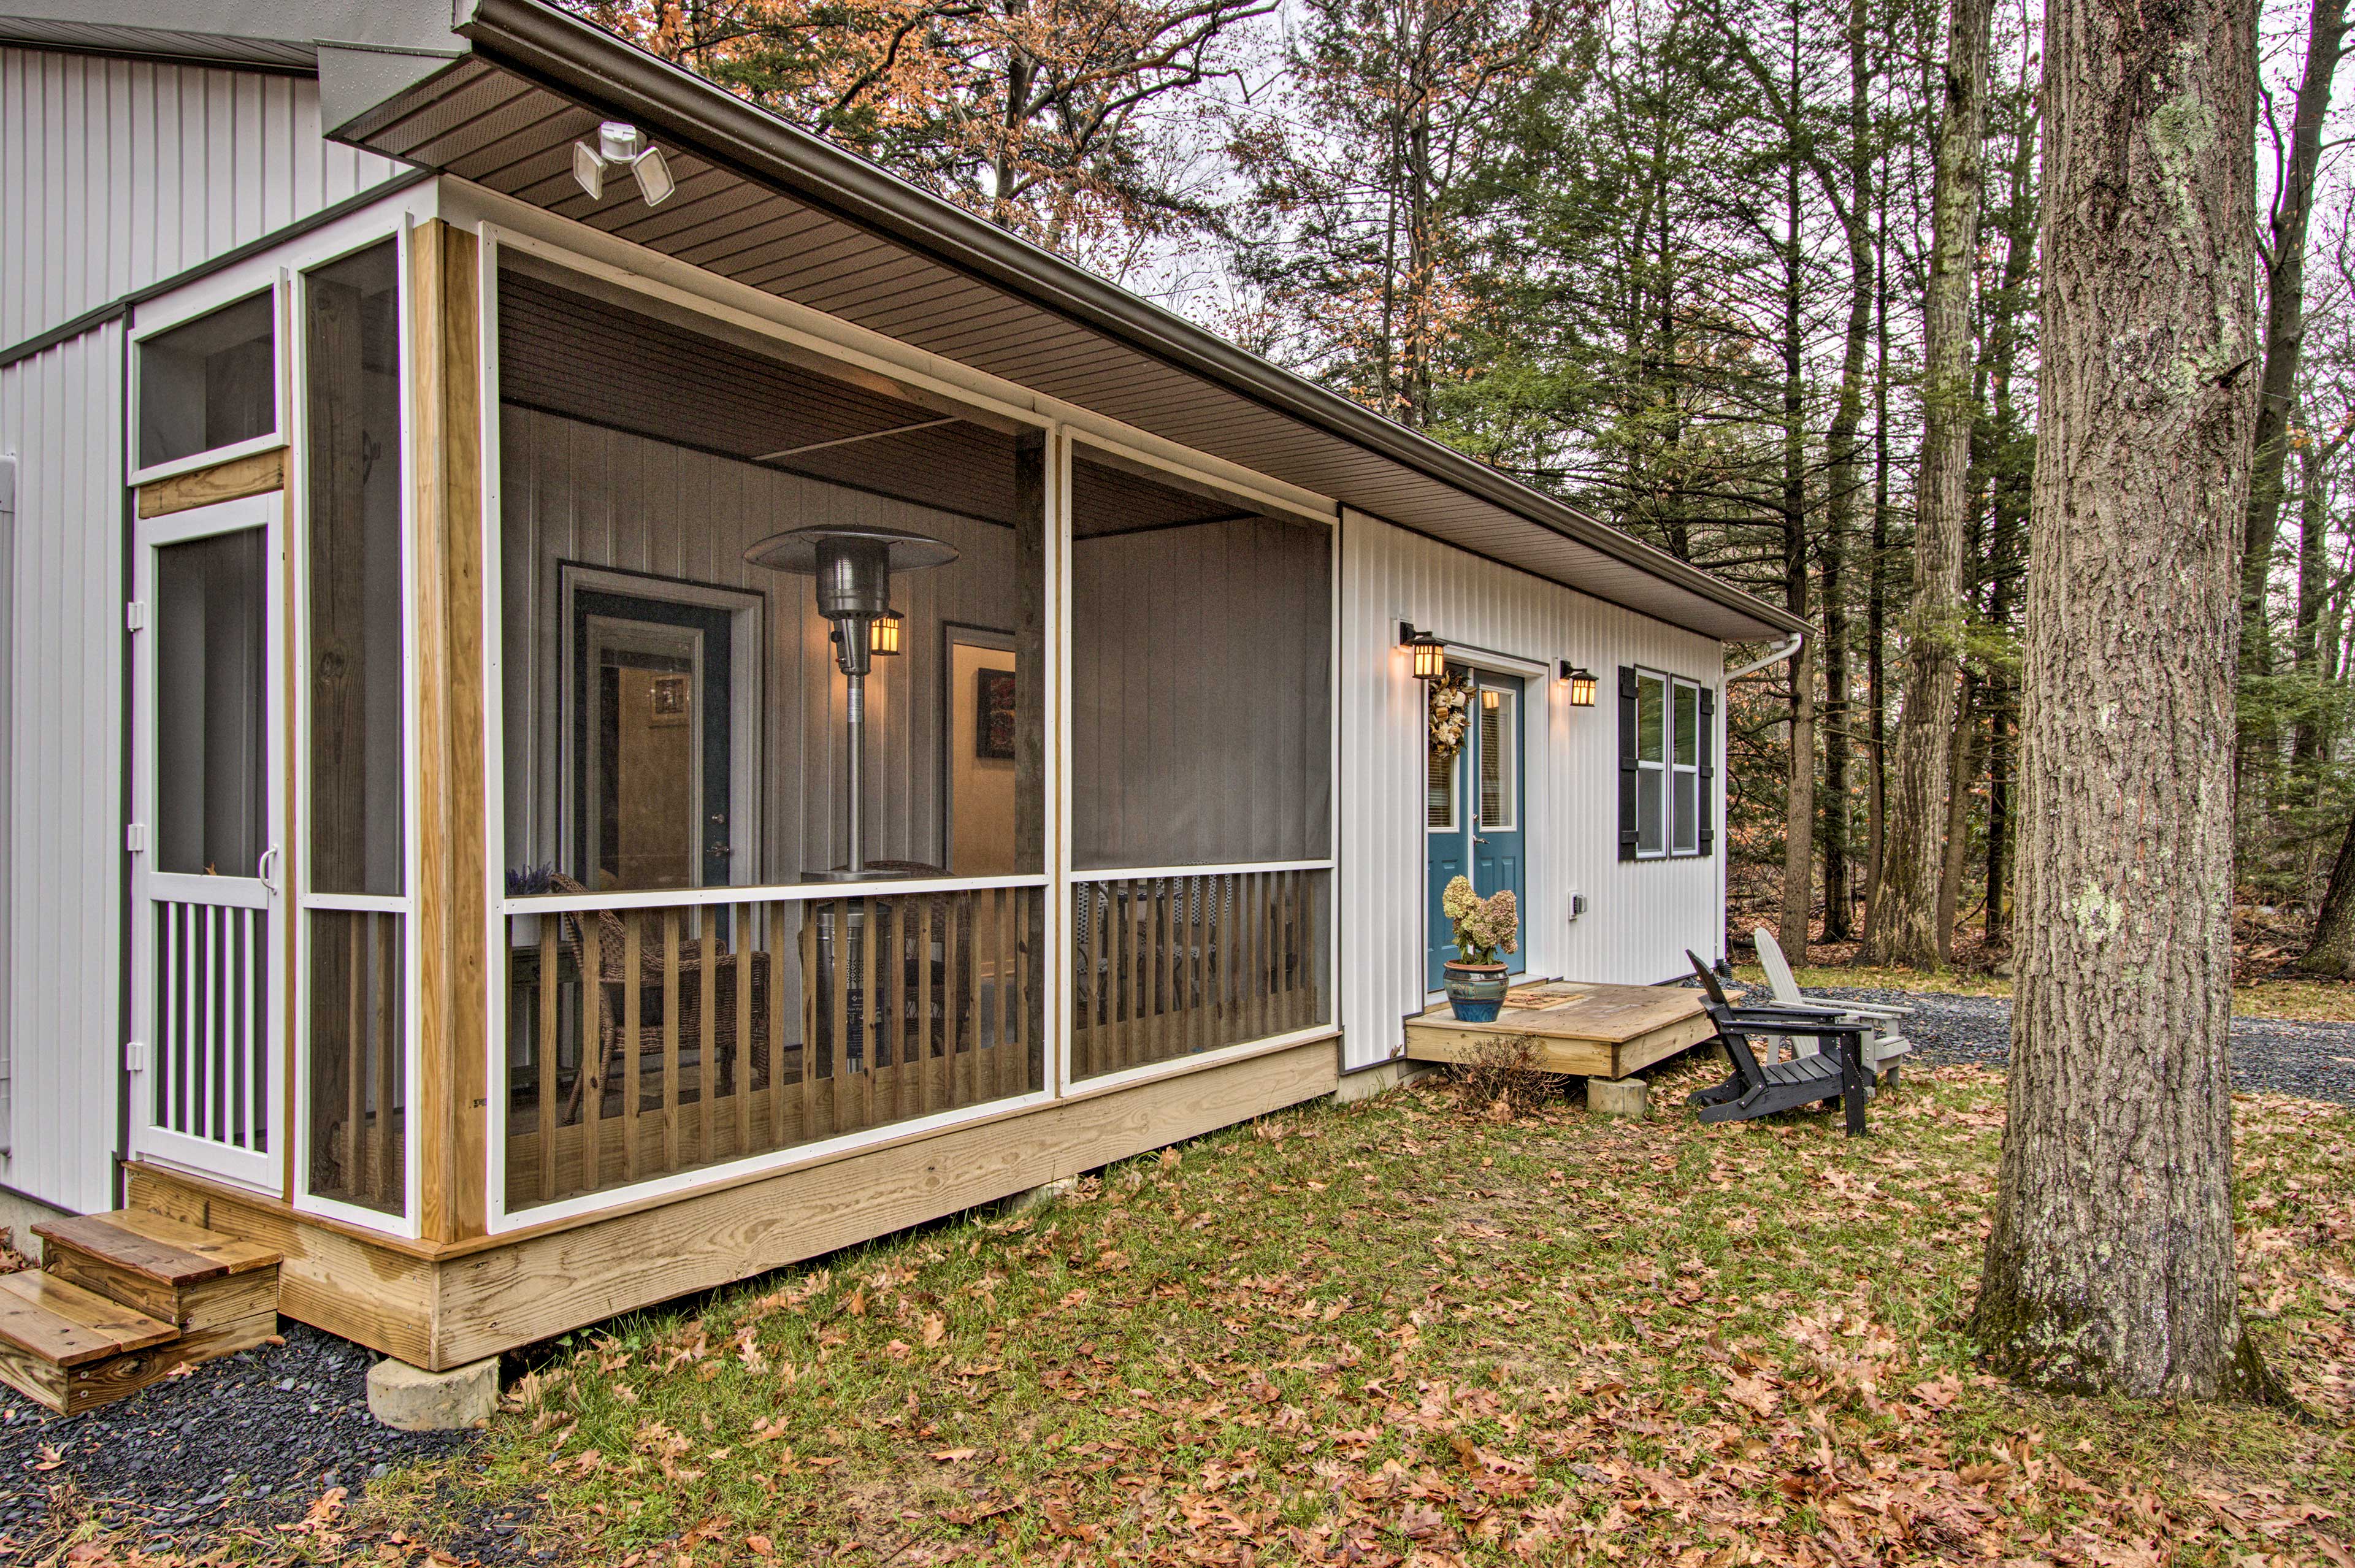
562 747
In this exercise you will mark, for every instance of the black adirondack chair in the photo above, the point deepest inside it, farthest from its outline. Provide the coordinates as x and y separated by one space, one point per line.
1758 1089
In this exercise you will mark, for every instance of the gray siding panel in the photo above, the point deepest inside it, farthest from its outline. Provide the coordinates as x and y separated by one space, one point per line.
59 416
116 174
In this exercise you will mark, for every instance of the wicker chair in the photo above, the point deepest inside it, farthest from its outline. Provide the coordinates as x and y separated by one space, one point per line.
615 1034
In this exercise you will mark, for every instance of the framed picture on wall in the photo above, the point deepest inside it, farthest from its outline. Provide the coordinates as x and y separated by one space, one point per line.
994 729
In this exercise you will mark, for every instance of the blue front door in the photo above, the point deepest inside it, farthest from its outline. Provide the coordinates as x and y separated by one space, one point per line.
1472 814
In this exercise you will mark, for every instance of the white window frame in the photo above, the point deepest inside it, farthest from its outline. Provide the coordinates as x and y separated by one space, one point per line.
229 286
1659 768
1076 445
396 227
1508 754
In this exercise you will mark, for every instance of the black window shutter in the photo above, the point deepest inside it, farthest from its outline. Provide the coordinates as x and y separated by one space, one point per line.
1626 761
1707 792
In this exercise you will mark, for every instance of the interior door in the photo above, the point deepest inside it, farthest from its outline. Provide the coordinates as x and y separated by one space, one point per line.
654 754
209 803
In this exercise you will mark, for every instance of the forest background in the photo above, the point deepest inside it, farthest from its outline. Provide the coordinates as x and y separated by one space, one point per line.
1686 264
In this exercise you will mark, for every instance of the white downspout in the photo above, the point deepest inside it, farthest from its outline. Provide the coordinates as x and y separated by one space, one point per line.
1774 655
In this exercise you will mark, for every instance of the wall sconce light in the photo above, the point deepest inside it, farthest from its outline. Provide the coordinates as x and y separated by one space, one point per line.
1491 698
883 633
620 146
1430 653
1581 685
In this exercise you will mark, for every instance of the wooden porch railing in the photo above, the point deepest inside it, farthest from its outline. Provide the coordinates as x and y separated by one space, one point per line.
643 1042
1173 965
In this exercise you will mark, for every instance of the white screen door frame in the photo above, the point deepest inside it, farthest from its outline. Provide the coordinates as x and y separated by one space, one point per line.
208 1062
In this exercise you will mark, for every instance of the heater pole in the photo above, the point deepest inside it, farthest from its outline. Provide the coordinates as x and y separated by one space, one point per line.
854 715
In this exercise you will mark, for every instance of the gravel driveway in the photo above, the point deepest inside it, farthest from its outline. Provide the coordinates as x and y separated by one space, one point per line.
2314 1060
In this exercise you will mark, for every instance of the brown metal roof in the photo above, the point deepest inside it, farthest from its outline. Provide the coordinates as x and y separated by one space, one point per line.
766 204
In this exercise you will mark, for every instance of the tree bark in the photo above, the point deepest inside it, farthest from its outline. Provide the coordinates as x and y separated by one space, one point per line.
1904 927
2109 1266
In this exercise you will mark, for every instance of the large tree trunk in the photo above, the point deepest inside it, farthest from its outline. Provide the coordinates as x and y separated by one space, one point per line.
1964 759
2284 344
1876 598
2110 1264
2331 953
1904 927
1846 478
1799 780
2008 511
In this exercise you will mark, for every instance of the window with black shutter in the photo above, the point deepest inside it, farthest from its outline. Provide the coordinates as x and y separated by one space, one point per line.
1668 766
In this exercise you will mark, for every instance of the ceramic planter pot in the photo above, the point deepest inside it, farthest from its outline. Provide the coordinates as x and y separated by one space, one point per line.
1477 991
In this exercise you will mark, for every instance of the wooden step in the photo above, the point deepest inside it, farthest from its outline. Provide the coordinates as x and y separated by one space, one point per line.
188 1277
70 1348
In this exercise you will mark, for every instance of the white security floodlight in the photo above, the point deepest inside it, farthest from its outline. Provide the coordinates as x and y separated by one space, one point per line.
620 146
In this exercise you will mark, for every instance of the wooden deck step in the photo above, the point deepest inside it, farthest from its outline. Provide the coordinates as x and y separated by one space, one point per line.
122 1300
185 1274
1569 1027
70 1348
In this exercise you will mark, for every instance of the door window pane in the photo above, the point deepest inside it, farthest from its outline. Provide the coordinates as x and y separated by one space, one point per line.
1499 774
1439 790
211 383
352 326
211 706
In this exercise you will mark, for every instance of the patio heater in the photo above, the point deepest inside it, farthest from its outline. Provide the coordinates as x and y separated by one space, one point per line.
852 568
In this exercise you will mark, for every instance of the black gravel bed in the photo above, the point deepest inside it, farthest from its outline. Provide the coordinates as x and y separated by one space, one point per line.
2276 1056
243 1442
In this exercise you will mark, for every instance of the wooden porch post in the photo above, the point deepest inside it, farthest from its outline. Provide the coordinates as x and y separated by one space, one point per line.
445 414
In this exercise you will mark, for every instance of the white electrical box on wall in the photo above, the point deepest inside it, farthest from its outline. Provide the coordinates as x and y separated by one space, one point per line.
1577 905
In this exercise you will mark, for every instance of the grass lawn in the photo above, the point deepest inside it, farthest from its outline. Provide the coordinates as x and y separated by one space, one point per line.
1411 1332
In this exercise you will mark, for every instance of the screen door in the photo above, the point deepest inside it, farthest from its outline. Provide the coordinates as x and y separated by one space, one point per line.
209 1073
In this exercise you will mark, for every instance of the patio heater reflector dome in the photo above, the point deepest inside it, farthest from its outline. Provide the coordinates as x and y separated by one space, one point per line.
852 570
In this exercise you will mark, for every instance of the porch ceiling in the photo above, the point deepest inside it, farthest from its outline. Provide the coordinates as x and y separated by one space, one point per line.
765 205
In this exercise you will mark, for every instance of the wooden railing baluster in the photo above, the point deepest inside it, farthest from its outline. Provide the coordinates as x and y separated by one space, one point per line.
632 998
545 1052
740 1066
590 1087
670 1000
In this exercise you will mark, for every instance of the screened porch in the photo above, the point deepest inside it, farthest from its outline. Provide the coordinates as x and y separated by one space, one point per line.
868 759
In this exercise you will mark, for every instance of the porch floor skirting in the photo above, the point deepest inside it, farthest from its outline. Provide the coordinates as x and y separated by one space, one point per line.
441 1306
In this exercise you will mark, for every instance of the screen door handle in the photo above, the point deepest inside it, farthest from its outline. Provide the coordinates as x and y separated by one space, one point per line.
262 868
